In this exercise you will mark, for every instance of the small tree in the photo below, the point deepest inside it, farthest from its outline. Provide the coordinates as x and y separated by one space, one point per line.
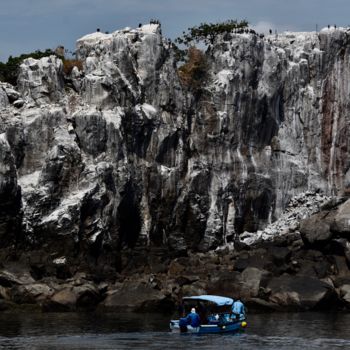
206 32
194 72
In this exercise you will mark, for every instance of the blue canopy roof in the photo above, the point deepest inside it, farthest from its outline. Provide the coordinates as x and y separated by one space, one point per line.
218 300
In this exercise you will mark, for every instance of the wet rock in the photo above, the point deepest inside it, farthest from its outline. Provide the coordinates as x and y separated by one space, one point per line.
316 230
5 293
183 280
344 292
37 293
225 283
9 279
176 267
6 305
340 265
136 296
88 296
252 279
197 288
258 258
338 281
279 255
258 304
71 298
341 222
241 264
64 300
299 292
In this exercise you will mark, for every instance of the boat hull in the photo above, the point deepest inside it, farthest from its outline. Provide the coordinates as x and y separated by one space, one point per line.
231 327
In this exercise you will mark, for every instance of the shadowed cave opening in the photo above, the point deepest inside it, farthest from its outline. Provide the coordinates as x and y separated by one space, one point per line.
129 217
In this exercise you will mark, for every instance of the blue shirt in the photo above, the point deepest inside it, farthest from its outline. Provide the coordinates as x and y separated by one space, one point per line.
238 308
193 319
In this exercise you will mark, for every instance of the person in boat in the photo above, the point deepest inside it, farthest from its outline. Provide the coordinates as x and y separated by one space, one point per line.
202 312
193 318
181 310
238 309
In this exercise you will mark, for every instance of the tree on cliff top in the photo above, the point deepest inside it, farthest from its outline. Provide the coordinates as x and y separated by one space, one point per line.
206 32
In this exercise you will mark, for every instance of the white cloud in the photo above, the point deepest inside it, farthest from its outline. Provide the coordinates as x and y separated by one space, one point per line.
265 26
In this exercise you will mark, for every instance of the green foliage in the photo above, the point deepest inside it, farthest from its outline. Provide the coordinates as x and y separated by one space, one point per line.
180 54
9 70
206 32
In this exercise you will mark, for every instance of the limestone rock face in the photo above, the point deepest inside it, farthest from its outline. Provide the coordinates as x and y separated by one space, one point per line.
4 101
41 80
131 157
8 95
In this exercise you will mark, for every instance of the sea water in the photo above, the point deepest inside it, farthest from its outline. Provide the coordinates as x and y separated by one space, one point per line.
150 331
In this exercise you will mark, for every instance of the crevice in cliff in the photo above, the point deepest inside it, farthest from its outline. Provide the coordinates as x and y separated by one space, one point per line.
129 217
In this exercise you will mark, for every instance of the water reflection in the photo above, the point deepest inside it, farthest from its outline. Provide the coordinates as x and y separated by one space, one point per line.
149 331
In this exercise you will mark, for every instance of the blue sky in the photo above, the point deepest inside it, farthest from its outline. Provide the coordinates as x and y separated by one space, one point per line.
27 25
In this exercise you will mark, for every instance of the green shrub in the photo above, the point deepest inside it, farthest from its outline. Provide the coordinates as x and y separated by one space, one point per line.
206 32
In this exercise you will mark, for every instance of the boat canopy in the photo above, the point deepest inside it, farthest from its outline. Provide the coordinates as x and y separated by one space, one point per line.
218 300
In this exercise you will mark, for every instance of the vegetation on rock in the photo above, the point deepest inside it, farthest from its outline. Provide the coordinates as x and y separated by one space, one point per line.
206 32
69 64
9 70
194 71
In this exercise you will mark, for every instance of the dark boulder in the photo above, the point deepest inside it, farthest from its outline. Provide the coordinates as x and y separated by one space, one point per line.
64 300
225 283
341 221
299 292
315 231
279 255
258 304
252 280
72 298
344 294
136 296
36 293
259 258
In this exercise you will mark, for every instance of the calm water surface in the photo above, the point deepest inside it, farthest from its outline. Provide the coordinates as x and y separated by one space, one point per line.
132 331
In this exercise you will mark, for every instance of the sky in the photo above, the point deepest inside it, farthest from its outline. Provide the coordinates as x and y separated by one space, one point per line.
28 25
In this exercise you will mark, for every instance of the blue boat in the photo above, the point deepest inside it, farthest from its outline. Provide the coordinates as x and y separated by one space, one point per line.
218 320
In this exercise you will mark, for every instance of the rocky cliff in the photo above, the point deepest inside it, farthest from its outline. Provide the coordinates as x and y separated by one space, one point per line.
121 158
